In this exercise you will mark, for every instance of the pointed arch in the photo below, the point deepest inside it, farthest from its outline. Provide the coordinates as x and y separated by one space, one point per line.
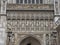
32 36
30 41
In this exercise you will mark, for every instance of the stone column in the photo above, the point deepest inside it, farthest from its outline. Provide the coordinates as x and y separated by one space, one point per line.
56 7
49 39
44 37
16 39
3 6
59 6
3 28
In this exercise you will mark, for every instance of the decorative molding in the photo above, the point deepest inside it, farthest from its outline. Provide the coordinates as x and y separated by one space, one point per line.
29 7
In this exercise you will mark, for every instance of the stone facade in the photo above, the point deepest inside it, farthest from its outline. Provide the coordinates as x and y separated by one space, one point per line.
28 24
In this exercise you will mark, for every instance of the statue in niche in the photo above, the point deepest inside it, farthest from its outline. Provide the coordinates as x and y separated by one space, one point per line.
47 39
11 38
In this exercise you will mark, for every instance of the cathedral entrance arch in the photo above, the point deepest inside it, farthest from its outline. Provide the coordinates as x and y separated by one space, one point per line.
30 41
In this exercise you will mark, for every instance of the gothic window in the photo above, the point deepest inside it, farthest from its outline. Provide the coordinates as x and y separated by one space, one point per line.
33 1
41 1
17 1
29 1
37 1
21 1
25 1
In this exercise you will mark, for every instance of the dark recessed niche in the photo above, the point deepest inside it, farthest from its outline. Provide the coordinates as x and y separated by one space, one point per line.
29 44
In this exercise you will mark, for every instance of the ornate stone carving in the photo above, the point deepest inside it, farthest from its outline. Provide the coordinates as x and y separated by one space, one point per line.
29 15
28 6
30 25
11 38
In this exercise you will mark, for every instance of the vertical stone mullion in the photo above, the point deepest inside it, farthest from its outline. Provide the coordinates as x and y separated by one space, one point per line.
23 1
39 1
31 1
27 1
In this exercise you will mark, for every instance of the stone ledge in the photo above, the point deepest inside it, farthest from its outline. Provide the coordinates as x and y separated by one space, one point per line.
3 14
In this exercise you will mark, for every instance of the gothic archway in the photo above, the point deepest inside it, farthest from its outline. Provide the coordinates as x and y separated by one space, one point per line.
30 41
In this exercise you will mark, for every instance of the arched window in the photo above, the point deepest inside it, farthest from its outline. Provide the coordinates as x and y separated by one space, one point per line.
33 1
25 1
37 1
41 1
29 1
17 1
21 1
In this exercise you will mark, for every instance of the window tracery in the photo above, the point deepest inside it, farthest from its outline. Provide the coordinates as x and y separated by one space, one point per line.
29 1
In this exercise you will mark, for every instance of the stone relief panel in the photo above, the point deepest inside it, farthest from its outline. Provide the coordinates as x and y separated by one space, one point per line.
30 15
29 21
29 25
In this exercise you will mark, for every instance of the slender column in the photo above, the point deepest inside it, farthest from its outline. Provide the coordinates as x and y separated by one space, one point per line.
56 7
44 37
15 38
35 1
8 1
49 39
57 39
23 1
27 1
3 6
59 6
31 1
3 30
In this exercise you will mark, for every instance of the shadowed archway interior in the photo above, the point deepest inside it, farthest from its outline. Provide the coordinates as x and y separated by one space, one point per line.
30 41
